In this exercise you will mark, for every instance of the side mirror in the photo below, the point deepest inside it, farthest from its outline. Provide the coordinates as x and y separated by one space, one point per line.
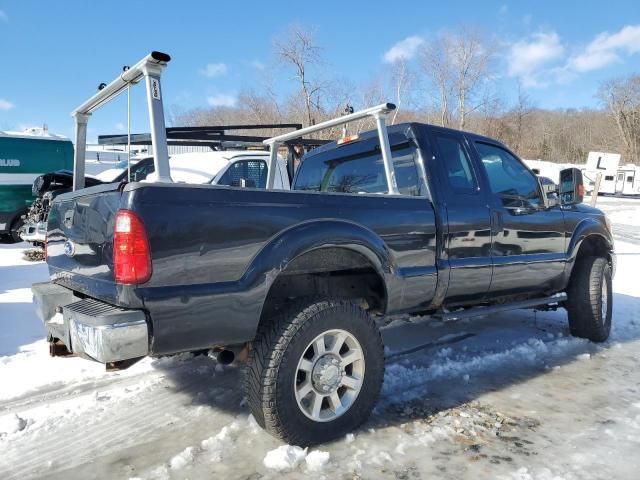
571 186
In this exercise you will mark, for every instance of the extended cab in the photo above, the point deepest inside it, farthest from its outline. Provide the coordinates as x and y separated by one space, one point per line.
294 279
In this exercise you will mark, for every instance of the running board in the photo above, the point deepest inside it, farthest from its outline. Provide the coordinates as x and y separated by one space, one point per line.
479 311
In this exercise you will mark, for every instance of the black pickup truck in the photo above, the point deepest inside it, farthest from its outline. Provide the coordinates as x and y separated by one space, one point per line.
292 280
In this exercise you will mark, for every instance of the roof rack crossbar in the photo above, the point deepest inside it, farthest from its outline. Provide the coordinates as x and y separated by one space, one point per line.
223 128
214 137
148 69
379 112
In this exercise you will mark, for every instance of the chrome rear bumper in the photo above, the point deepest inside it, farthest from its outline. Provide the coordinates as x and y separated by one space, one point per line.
34 232
89 327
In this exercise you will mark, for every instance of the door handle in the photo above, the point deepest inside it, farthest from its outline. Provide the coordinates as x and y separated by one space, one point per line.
496 222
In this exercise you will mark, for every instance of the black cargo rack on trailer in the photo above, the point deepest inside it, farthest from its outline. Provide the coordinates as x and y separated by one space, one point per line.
217 137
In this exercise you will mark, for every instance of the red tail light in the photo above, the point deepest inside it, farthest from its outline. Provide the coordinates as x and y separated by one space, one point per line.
131 255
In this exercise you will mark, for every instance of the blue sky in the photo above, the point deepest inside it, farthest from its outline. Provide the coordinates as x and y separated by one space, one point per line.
54 54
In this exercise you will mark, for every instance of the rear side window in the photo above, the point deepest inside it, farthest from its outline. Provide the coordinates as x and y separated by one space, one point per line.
455 161
362 173
253 172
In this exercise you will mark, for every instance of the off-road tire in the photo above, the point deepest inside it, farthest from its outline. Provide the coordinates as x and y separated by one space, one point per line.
585 299
273 360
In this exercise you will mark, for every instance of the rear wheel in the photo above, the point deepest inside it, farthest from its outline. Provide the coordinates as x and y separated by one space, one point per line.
590 299
315 371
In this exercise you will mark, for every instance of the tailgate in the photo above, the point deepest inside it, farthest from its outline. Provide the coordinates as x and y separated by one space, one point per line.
80 240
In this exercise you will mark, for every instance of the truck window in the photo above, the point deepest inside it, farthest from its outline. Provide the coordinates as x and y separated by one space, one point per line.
254 172
508 177
361 173
457 166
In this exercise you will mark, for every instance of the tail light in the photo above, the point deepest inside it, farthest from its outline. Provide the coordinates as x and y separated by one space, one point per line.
131 255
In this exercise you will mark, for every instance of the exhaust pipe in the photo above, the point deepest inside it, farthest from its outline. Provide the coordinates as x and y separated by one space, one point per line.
225 357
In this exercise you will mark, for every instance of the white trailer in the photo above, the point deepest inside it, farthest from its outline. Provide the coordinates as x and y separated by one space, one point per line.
606 164
628 180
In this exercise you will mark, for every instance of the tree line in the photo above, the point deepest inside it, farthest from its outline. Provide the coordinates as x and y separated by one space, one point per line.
452 81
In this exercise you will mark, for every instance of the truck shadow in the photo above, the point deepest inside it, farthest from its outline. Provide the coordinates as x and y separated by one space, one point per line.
448 364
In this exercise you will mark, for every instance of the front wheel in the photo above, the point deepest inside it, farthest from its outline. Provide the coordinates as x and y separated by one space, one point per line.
590 301
315 371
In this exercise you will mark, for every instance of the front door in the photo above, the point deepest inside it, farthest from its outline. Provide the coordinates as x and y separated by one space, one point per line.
528 246
468 237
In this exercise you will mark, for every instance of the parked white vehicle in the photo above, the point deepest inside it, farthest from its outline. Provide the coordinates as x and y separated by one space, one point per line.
236 168
99 158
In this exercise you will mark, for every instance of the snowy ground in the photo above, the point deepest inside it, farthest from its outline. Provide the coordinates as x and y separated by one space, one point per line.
510 396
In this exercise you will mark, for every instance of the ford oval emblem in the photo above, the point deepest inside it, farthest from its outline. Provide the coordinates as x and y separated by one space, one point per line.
69 248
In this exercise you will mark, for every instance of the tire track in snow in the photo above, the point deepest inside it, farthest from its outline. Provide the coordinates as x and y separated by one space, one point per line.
117 427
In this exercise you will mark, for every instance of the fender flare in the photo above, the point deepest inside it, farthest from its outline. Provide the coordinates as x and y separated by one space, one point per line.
585 230
306 237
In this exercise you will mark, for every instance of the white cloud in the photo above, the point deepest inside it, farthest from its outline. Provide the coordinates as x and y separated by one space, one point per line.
3 16
214 70
222 100
5 105
527 59
606 49
404 49
120 127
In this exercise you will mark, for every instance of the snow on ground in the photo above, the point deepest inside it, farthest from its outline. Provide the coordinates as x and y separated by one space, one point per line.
510 396
621 210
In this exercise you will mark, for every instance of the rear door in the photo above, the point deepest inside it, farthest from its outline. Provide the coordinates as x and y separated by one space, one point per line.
528 246
468 238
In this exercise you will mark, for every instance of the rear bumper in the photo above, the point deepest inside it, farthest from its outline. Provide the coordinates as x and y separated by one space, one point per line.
34 232
89 327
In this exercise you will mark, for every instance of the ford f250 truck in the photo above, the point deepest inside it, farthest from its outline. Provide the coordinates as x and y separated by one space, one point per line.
451 224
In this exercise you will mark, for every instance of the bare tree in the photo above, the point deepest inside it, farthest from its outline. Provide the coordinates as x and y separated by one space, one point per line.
436 66
622 98
297 49
520 113
401 79
458 66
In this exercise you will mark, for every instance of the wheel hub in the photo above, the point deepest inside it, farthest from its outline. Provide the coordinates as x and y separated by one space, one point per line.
327 374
